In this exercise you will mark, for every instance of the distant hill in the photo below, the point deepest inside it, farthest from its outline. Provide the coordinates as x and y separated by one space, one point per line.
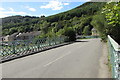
16 22
86 9
81 16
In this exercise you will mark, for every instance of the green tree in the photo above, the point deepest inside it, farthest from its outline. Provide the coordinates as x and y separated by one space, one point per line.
99 23
60 32
13 30
112 14
70 33
44 27
86 30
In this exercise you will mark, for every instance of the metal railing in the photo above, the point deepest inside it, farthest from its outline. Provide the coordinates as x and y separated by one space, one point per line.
114 54
17 48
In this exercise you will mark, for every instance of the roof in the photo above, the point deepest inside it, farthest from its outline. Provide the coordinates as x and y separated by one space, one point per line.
93 29
14 34
35 33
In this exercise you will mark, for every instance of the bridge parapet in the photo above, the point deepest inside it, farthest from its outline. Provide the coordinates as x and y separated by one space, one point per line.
114 54
16 49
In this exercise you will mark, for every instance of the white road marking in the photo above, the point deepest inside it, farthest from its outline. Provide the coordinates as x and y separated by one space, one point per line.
61 57
57 59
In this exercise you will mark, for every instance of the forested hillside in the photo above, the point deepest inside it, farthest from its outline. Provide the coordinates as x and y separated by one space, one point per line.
79 20
18 23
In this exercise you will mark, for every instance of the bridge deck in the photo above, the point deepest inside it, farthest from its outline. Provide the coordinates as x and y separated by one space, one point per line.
77 60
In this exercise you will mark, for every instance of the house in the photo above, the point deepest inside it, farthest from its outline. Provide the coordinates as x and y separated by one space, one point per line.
6 38
13 37
28 35
21 36
94 32
10 37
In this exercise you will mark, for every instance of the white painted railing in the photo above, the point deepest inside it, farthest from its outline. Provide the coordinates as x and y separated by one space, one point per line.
114 50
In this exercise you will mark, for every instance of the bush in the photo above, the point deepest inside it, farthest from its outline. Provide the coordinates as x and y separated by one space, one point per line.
70 33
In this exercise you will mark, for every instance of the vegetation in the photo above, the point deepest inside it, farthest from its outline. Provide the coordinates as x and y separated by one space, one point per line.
78 21
70 33
86 30
112 15
100 24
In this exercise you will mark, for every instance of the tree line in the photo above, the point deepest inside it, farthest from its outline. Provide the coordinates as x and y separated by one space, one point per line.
105 17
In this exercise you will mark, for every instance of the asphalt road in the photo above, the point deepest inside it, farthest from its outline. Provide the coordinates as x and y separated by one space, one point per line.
77 60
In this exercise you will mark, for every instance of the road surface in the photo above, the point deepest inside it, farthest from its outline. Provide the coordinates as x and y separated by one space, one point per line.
76 60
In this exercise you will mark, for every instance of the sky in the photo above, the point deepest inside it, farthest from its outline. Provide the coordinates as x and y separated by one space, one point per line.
36 8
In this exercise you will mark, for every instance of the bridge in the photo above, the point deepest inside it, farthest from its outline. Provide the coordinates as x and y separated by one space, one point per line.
77 60
85 58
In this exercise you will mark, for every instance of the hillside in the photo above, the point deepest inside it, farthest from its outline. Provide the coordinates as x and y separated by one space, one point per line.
12 24
87 9
69 18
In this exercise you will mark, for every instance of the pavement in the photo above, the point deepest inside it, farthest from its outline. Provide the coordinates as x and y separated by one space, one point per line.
77 60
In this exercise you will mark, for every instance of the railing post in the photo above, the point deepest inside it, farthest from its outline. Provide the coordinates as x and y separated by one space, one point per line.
38 44
49 41
2 49
55 40
13 45
27 44
60 40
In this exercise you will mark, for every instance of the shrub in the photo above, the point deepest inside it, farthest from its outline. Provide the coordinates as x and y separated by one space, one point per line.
70 33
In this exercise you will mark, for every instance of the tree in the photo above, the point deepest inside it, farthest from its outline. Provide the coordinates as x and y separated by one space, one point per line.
44 27
70 33
13 30
59 25
99 23
112 14
86 30
60 32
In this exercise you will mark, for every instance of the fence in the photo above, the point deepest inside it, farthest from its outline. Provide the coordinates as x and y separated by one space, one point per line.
19 48
114 50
